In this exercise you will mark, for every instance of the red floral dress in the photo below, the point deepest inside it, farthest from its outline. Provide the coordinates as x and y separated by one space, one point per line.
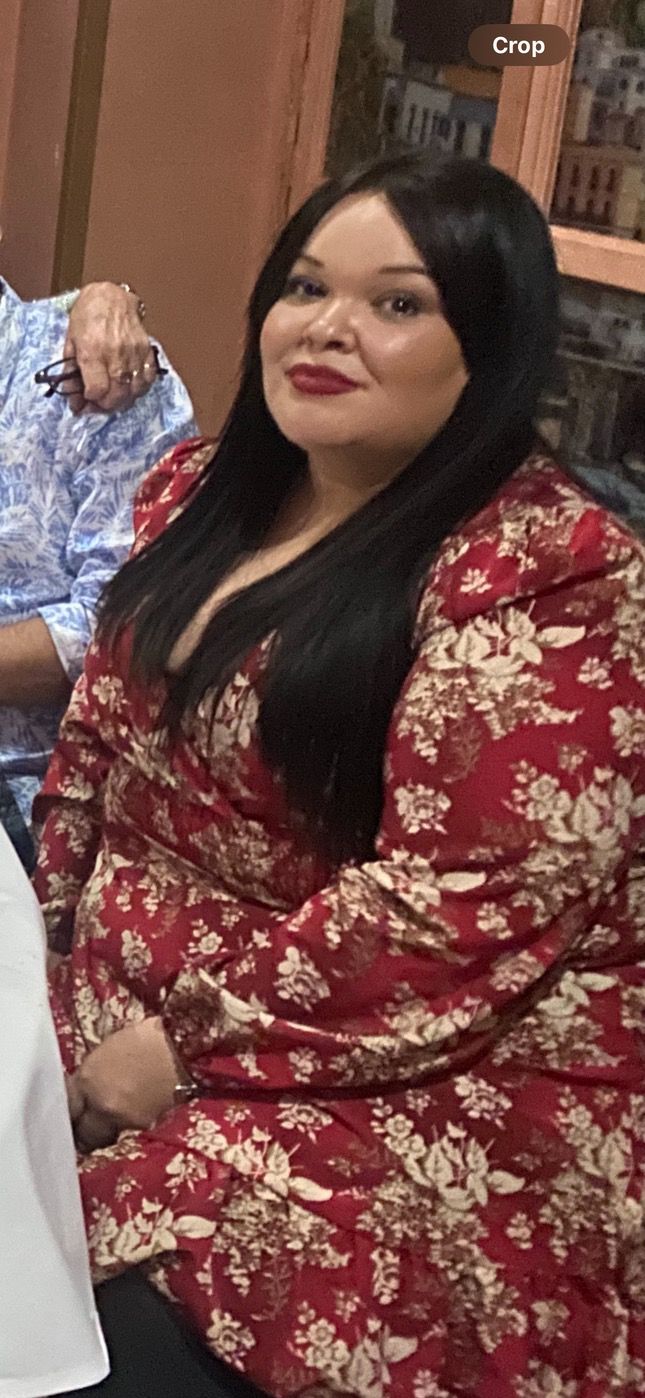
416 1167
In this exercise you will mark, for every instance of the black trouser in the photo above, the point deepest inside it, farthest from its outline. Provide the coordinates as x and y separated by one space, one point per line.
153 1353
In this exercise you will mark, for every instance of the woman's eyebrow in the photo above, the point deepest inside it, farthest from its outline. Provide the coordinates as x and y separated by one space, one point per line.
416 268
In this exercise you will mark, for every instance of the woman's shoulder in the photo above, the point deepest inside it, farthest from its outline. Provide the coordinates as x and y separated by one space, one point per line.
167 485
542 531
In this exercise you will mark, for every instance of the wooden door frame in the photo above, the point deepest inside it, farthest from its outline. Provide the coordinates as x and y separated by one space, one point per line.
80 143
310 42
532 103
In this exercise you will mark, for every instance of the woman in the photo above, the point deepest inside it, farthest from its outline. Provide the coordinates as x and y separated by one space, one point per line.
347 818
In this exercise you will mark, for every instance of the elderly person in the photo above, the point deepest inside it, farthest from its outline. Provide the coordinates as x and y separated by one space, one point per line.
344 839
66 489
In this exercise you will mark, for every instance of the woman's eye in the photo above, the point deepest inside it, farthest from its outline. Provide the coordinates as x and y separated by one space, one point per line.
402 304
303 289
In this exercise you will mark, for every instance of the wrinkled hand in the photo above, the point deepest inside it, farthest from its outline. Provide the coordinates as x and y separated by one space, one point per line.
127 1082
106 338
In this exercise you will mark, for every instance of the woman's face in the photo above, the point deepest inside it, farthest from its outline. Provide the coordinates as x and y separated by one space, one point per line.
357 353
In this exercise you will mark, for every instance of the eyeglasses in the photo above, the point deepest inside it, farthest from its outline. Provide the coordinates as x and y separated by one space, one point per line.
64 376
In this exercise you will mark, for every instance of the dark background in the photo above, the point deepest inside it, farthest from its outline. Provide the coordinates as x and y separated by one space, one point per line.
437 31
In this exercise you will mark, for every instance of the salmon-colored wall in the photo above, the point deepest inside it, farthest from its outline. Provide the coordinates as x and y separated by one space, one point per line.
189 173
9 22
36 58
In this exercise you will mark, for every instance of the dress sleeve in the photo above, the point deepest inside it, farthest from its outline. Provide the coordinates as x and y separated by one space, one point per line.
514 781
69 808
68 812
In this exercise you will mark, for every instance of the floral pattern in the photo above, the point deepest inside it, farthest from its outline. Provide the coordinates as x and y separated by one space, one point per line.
415 1166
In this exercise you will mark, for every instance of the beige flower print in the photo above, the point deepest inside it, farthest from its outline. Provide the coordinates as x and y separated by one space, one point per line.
299 980
421 808
229 1337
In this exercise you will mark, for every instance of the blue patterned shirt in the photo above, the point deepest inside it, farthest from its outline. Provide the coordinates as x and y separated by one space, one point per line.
66 488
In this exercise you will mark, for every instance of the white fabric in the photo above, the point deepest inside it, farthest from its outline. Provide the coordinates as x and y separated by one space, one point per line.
50 1340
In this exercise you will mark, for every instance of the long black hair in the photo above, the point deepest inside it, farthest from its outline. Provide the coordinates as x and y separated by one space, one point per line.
341 616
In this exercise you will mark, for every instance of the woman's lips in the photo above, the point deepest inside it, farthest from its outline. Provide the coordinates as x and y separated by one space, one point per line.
316 379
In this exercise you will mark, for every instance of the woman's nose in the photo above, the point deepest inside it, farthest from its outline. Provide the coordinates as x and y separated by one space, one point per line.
333 325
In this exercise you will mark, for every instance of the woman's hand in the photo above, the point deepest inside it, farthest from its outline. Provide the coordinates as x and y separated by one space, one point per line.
129 1081
92 1129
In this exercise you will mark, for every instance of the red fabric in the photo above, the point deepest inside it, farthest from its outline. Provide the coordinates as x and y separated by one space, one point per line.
415 1167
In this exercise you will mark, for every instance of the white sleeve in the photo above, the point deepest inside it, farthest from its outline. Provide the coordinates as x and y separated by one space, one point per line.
50 1339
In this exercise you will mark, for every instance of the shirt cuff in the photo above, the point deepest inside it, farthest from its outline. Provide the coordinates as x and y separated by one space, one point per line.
70 626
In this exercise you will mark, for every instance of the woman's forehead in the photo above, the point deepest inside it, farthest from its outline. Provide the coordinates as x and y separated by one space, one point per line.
364 230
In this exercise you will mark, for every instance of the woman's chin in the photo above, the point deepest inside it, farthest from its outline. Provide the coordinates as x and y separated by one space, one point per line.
316 423
311 436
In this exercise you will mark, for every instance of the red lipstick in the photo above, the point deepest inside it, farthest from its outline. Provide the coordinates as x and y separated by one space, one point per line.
317 379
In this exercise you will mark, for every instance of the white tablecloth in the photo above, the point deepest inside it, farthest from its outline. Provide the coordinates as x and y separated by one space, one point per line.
50 1340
